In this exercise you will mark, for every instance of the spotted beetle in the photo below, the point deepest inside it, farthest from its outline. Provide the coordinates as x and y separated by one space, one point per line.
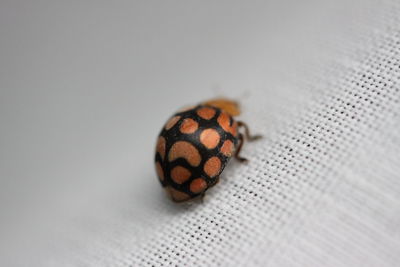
195 145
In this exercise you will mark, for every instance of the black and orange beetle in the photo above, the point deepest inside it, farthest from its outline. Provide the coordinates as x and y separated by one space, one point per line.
195 145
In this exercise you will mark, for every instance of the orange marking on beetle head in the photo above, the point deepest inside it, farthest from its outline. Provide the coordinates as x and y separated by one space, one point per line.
189 126
160 172
230 106
172 122
180 174
209 138
183 149
176 195
212 166
227 148
206 113
160 147
198 185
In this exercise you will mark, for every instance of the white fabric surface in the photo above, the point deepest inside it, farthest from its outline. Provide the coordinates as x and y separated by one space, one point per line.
85 88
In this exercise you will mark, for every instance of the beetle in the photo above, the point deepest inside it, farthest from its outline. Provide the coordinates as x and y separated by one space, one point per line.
195 145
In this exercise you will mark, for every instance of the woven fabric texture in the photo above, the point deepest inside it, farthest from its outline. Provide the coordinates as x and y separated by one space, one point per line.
322 188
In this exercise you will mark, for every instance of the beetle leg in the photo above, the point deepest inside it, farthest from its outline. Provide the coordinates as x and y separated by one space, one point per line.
247 132
239 148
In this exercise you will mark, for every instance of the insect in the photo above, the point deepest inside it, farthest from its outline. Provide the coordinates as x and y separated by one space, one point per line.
195 145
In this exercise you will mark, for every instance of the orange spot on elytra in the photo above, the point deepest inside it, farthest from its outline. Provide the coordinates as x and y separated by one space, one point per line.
209 138
172 122
233 129
189 126
160 147
206 113
180 174
183 149
176 195
198 185
160 172
227 148
212 166
224 121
